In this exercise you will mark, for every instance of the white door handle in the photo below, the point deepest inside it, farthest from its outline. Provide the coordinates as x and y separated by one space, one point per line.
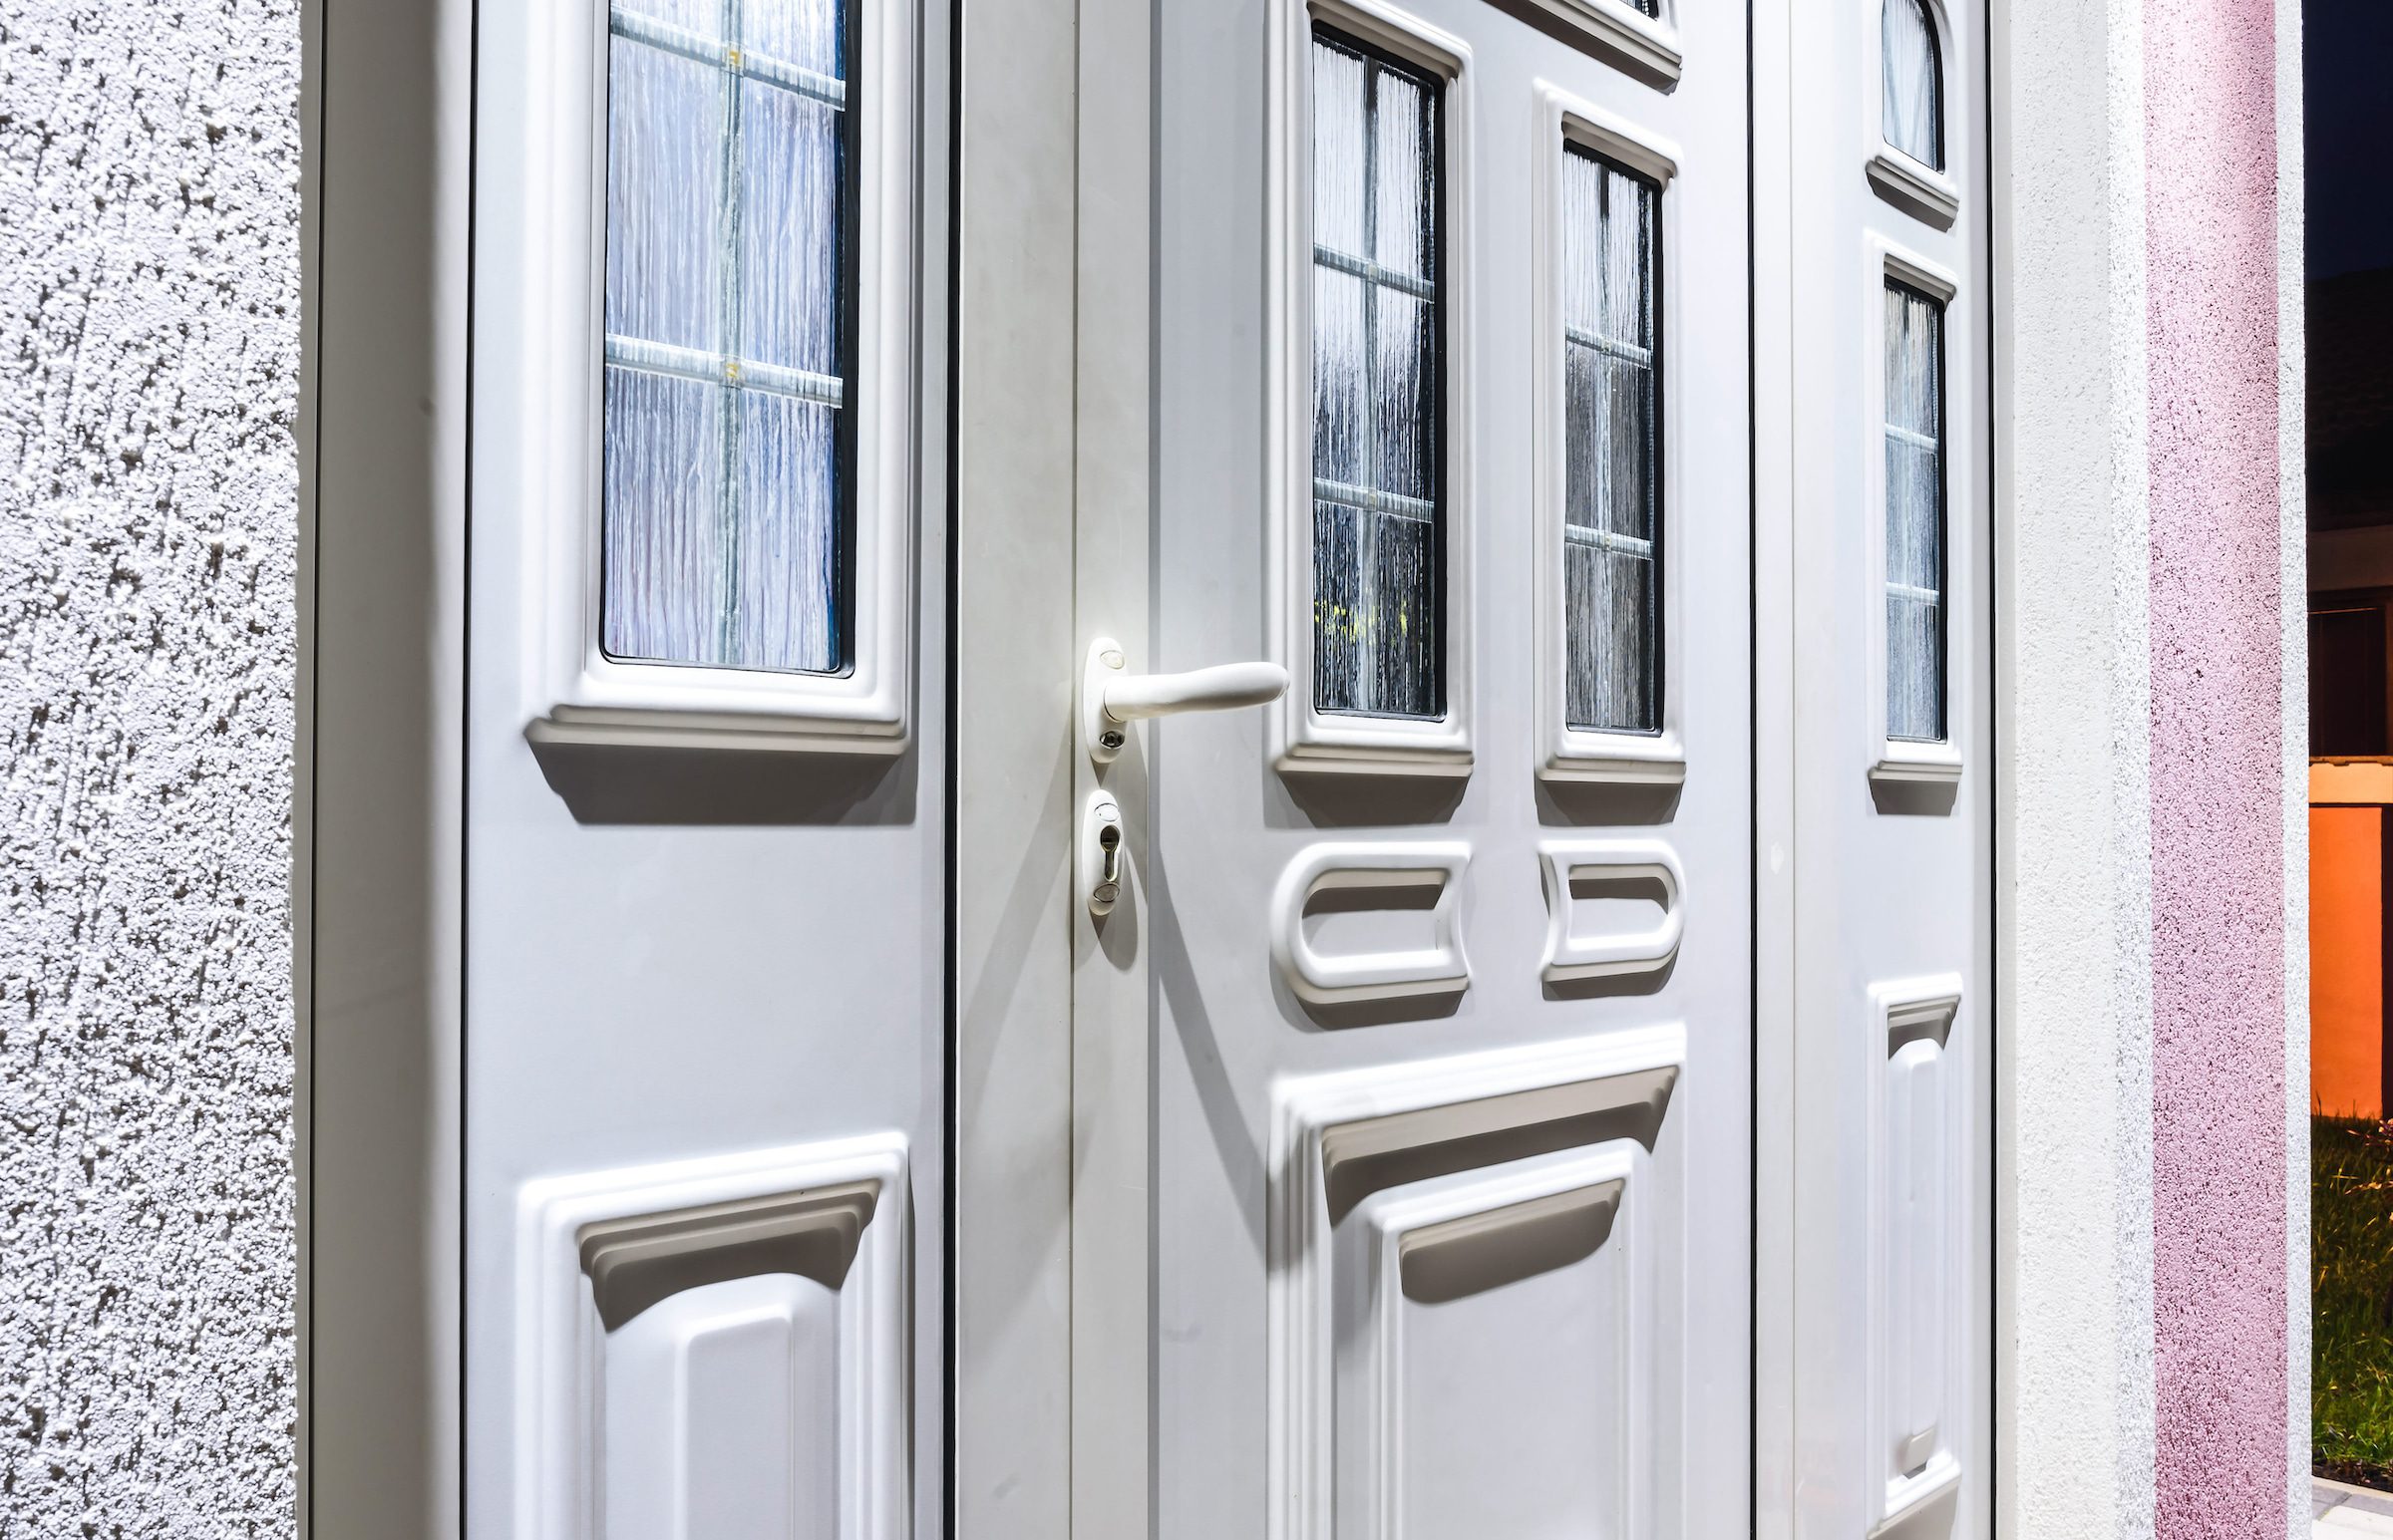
1110 697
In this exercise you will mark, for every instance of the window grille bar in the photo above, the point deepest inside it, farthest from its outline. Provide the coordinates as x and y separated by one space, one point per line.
1418 509
731 274
744 62
1371 272
1913 437
1914 594
706 368
1608 540
1611 347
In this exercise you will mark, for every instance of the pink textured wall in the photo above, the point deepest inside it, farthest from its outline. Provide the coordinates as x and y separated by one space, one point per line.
2218 857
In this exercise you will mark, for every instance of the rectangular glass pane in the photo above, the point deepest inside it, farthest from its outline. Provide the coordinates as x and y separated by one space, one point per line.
664 169
1914 435
790 231
1378 466
664 545
786 535
727 334
1611 512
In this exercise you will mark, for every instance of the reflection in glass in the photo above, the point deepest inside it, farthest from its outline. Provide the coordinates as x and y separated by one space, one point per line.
1377 462
1611 595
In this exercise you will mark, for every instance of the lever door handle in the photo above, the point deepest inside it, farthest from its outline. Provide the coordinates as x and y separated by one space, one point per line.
1110 697
1218 688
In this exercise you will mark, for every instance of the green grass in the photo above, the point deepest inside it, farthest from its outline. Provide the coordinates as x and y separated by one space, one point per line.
2351 1299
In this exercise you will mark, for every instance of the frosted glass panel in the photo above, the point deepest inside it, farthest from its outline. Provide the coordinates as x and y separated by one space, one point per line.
664 538
1915 432
1913 89
726 334
788 498
790 231
664 169
1611 549
1377 463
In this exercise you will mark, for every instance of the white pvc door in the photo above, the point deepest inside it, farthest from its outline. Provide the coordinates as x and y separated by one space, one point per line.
1438 1214
704 1051
1892 774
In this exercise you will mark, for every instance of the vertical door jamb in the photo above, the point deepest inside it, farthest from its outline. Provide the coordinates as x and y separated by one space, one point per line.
1011 669
378 831
1770 108
1111 1318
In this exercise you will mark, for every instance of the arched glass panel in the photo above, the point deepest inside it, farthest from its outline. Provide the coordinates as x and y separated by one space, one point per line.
1914 88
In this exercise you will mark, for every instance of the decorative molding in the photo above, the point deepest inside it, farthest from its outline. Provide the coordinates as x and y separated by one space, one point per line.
1303 739
1930 278
634 1263
1359 866
1338 1139
596 1251
1927 195
1643 47
1619 139
589 698
1918 1292
1566 752
1427 1247
1571 956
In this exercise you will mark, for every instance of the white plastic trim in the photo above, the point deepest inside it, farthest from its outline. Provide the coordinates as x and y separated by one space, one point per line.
1897 759
1301 1449
1438 969
1572 955
560 243
1645 46
1918 190
1301 739
561 1344
1566 752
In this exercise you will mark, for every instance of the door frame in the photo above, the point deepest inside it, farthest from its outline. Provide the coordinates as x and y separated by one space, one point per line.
1016 447
378 827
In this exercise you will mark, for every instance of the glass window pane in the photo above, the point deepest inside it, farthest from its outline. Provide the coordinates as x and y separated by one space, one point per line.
663 170
664 545
1611 512
790 231
1914 435
727 334
1378 461
1913 91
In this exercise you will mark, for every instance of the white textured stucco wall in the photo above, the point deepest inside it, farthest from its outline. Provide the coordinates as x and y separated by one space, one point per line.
2074 1281
148 353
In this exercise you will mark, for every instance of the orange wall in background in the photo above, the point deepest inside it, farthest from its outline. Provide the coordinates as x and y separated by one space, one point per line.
2348 961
